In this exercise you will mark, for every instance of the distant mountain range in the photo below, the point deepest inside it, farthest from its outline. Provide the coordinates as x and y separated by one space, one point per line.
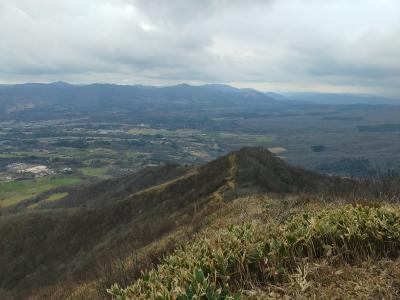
335 99
124 95
112 95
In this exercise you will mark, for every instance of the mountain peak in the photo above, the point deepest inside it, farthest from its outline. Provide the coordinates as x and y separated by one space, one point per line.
60 84
183 85
259 169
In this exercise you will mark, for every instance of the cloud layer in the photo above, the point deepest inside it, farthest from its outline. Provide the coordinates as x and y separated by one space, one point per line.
330 45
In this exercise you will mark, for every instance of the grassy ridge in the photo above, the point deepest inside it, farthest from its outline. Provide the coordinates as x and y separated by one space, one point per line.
221 264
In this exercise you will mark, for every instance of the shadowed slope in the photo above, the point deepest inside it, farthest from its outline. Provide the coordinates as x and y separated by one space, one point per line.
42 246
119 188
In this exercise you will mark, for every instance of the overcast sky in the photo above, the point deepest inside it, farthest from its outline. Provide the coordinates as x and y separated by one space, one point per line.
276 45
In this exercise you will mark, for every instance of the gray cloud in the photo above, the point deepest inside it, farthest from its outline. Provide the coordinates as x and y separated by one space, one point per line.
277 45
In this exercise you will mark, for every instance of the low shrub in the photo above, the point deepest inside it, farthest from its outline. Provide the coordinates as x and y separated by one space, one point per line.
220 264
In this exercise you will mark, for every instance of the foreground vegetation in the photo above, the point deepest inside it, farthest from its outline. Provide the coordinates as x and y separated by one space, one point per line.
223 264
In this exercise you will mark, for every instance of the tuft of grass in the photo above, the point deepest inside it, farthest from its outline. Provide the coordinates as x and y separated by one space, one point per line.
222 264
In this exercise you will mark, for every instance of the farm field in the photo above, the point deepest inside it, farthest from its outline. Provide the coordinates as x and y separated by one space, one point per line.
56 196
13 192
95 172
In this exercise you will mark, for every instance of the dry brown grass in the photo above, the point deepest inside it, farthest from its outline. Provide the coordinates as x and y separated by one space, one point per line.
322 280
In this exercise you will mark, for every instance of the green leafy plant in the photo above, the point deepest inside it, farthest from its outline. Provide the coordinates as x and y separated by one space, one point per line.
220 264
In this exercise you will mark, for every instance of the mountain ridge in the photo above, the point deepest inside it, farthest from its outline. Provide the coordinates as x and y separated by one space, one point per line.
58 91
67 240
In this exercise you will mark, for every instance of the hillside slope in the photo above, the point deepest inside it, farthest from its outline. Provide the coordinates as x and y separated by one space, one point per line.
42 246
303 257
119 188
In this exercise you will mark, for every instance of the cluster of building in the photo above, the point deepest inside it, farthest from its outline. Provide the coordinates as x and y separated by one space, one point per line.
22 169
